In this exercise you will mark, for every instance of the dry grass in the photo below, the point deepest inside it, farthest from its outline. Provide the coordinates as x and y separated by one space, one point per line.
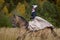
13 33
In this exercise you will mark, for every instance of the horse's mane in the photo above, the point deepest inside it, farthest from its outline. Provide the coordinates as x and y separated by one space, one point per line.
26 22
22 18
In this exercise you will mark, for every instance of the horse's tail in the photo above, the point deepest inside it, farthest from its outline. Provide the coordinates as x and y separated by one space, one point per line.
54 33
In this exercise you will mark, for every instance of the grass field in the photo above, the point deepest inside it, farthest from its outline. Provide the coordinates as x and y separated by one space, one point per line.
13 33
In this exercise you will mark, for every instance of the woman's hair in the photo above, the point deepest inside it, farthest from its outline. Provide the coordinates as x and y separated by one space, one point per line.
34 6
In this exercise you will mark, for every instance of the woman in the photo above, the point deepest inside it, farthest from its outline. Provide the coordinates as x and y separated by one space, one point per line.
33 11
38 22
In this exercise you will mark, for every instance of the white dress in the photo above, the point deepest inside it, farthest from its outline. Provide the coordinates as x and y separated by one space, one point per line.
39 23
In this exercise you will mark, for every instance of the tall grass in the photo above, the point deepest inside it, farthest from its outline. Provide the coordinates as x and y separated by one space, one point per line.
13 33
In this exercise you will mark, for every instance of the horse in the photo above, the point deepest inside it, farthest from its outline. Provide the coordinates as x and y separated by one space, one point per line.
19 21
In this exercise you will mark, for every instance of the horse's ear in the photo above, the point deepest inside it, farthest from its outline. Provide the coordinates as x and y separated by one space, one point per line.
17 18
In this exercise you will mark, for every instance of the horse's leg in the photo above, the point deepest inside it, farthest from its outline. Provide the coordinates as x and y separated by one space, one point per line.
18 38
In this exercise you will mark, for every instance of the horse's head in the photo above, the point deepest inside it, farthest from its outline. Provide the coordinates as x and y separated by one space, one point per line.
20 22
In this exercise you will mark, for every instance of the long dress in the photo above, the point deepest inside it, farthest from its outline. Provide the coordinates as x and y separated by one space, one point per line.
39 23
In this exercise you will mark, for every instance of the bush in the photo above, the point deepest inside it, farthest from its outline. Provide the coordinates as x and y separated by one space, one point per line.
49 12
4 21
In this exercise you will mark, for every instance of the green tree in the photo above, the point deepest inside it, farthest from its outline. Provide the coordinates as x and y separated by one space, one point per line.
49 12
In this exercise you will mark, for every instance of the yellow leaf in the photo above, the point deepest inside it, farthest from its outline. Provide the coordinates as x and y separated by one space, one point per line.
1 1
21 8
5 10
